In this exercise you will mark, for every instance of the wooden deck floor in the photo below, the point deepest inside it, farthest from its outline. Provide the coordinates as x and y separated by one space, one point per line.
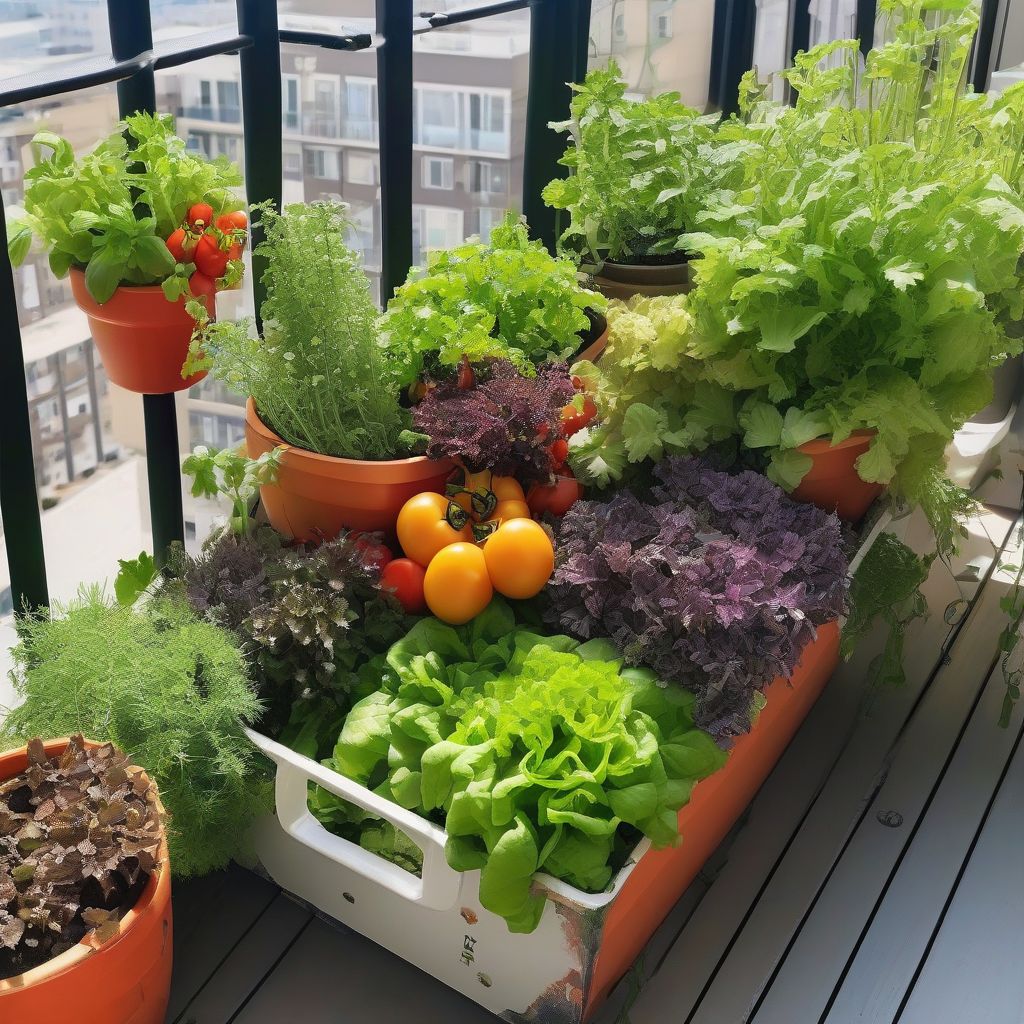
874 878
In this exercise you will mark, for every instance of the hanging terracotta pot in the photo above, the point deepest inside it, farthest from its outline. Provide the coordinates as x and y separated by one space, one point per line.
832 482
624 280
126 979
142 338
316 496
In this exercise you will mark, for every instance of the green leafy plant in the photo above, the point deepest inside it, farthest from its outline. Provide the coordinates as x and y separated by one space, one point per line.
507 298
134 578
860 277
641 171
319 376
306 618
169 690
886 588
230 474
537 753
110 211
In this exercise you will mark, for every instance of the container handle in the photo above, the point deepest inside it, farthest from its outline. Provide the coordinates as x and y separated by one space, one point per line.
439 885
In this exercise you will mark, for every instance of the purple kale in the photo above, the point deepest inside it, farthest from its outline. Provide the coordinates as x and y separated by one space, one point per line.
504 422
717 585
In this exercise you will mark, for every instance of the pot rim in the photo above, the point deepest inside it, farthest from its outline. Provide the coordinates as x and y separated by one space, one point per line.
824 445
142 289
257 425
158 884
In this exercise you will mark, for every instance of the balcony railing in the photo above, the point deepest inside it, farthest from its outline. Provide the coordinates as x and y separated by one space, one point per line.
559 32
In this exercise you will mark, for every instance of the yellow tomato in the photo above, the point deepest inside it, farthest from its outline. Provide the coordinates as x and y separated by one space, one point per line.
423 530
457 586
510 508
520 558
507 488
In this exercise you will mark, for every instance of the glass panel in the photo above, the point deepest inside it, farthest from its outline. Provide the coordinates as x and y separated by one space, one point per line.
659 45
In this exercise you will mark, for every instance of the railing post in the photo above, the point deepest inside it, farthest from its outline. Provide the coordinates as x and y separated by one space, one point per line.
394 117
867 11
732 52
131 33
19 503
559 30
261 116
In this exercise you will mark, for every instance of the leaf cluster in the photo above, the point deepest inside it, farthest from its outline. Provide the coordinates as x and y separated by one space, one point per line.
641 171
110 211
169 690
231 474
508 298
320 376
504 422
306 617
860 278
716 583
537 753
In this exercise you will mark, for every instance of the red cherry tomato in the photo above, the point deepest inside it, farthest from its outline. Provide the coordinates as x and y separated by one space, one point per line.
235 251
466 378
209 258
374 553
589 410
559 450
556 498
234 221
405 578
181 244
200 284
200 216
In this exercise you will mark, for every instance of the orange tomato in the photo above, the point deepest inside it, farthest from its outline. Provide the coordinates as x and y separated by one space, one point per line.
423 530
511 508
520 558
507 488
457 586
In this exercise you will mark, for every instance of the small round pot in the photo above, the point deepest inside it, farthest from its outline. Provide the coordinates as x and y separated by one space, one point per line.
594 340
141 337
126 979
624 280
832 482
316 496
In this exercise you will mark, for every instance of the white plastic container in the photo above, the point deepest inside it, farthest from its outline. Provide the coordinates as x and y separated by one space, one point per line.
560 973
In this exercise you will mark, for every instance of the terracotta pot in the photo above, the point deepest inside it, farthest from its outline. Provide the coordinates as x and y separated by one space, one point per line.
594 340
832 482
141 337
318 495
126 979
624 280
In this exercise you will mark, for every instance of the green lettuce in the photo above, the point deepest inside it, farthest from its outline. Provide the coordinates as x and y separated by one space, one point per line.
535 752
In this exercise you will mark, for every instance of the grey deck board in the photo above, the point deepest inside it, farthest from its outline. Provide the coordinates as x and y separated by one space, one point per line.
972 972
333 976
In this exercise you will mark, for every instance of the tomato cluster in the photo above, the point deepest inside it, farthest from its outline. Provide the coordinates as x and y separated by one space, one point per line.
480 540
212 244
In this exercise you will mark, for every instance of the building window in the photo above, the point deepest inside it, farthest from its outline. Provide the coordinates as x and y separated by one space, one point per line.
199 142
205 94
215 431
228 146
438 172
361 109
434 227
361 169
620 26
487 130
439 117
229 102
292 163
190 529
487 177
326 101
290 102
323 164
664 26
361 235
489 217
